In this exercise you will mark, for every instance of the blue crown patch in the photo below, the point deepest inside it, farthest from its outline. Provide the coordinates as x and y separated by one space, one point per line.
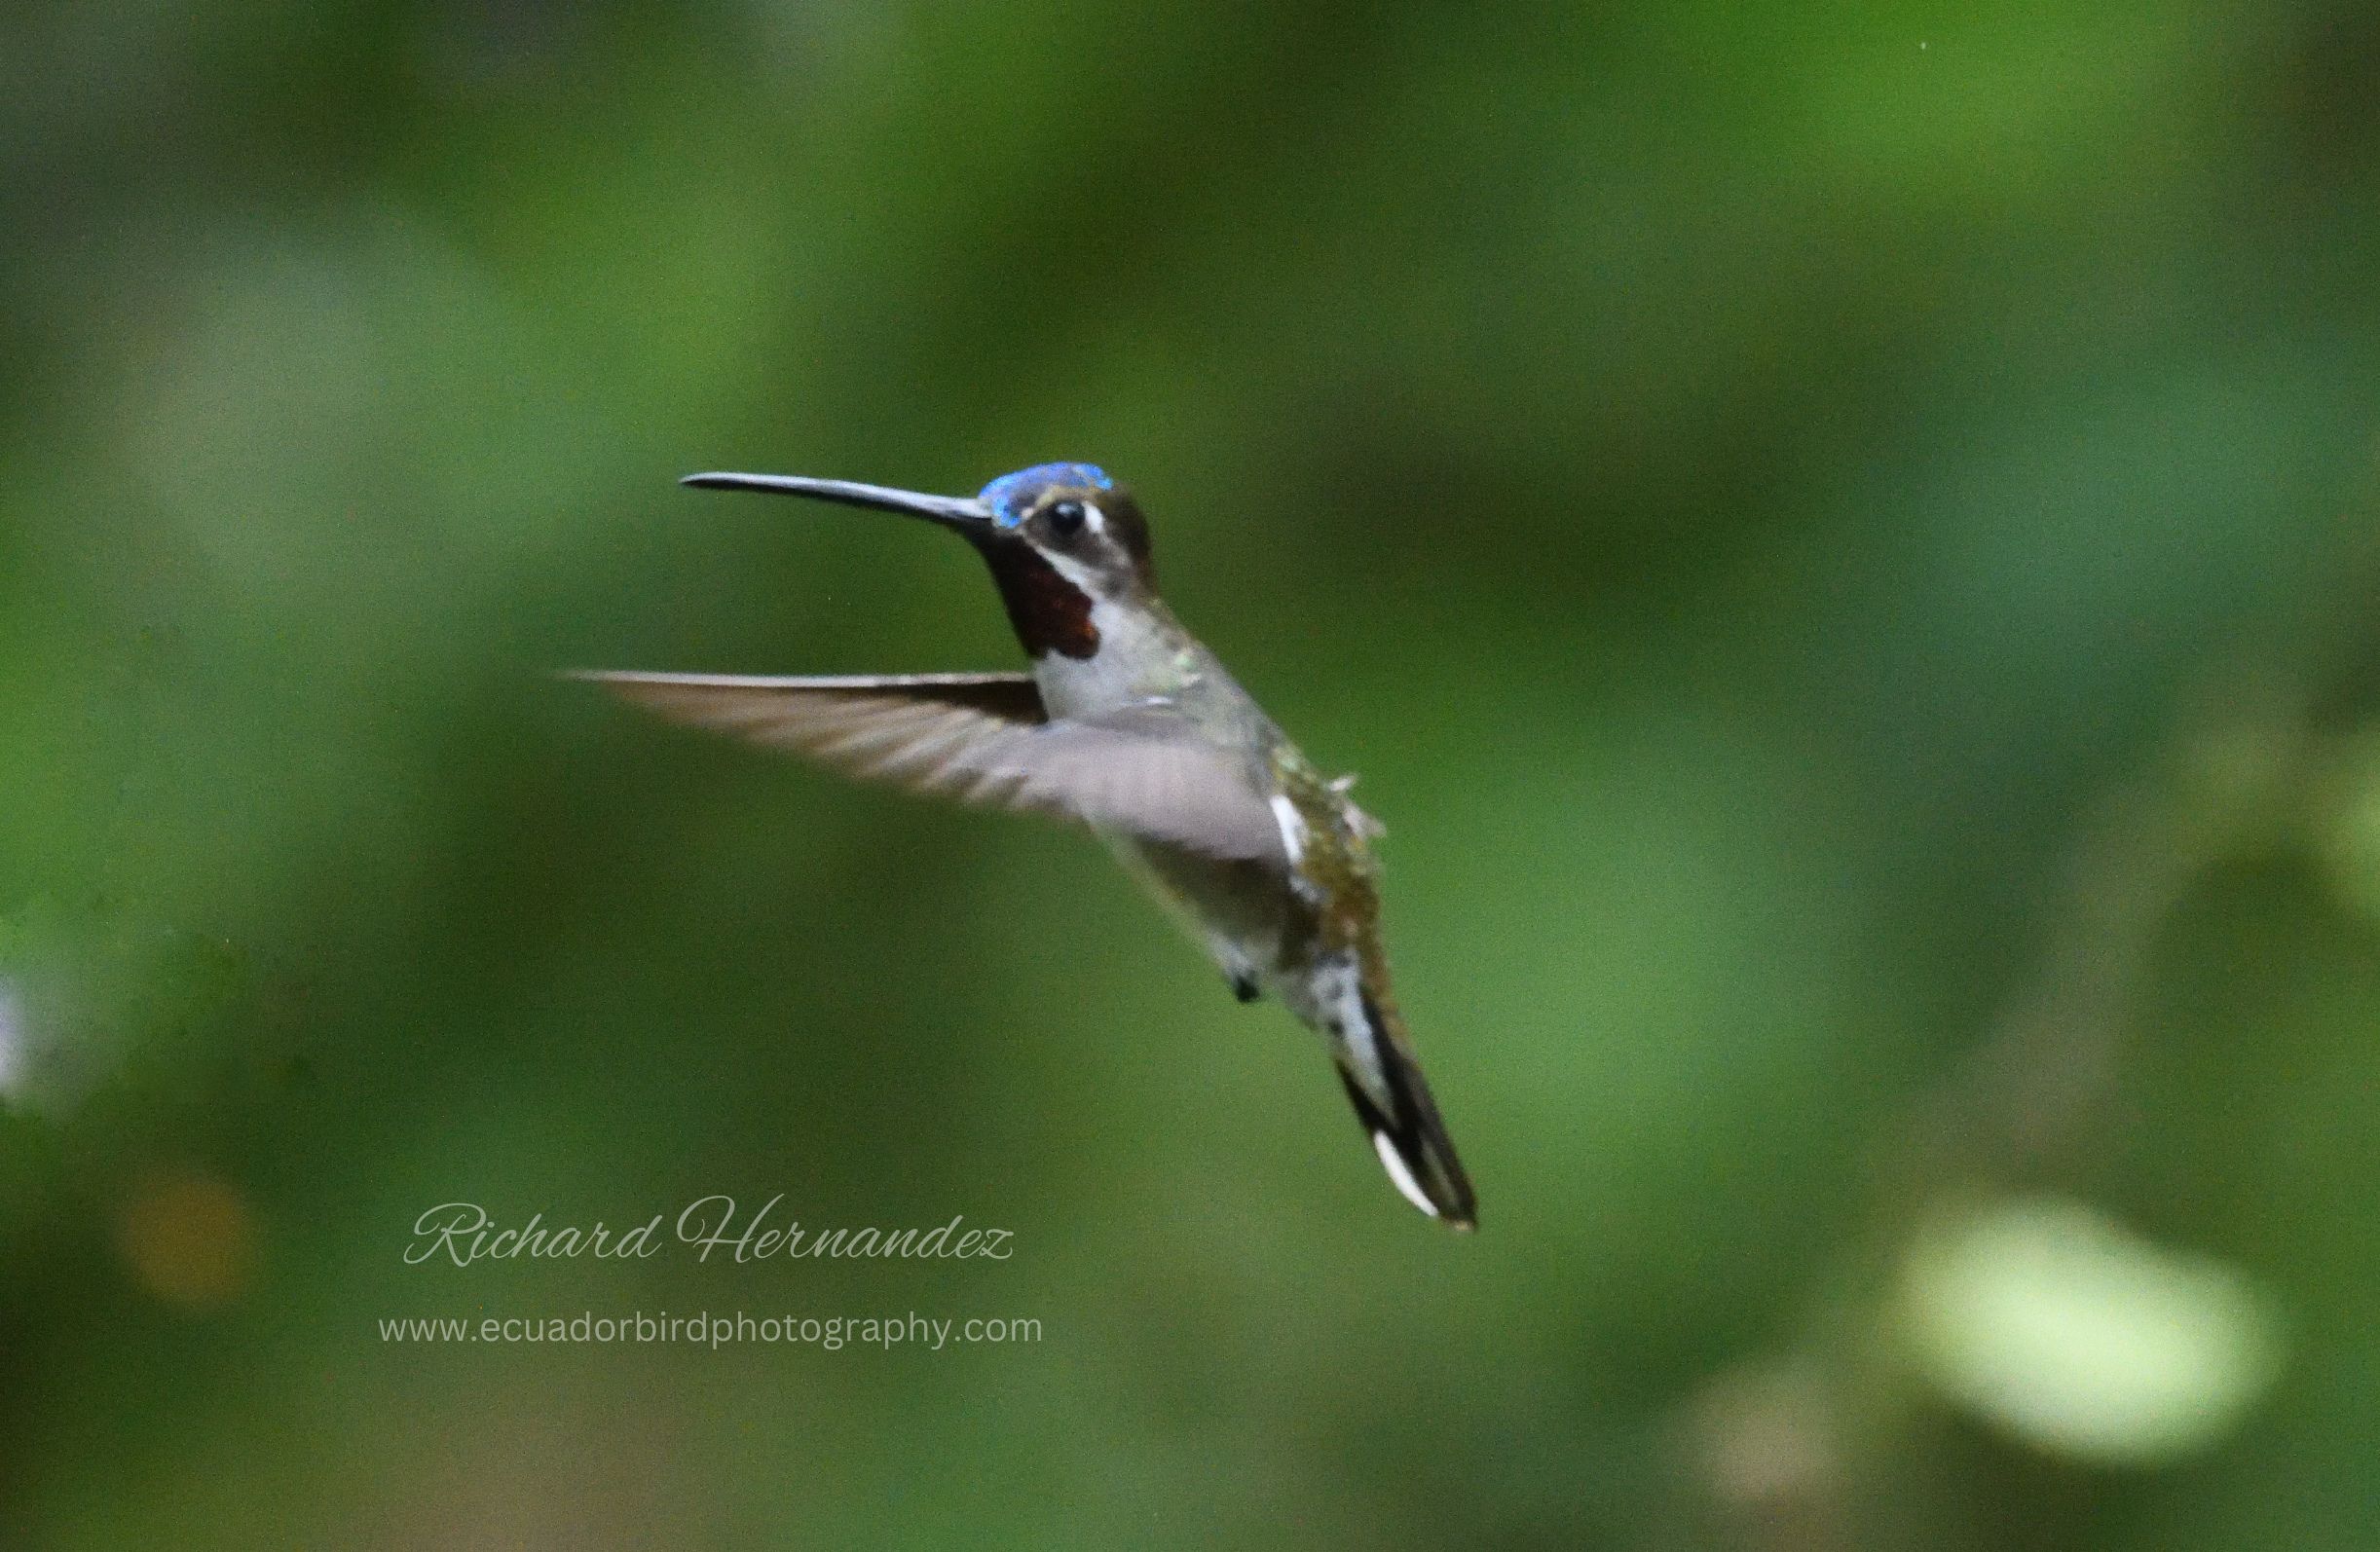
1012 495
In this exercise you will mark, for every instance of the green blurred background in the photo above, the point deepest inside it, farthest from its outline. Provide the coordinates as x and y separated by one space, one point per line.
1841 545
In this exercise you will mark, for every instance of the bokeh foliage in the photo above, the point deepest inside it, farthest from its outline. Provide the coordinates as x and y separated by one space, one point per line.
1841 545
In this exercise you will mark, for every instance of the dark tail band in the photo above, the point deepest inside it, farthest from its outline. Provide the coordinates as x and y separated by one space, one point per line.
1409 1135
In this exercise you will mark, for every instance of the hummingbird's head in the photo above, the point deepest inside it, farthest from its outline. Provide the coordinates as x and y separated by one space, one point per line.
1086 525
1061 540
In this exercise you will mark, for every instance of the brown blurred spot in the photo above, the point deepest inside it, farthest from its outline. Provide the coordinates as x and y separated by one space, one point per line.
188 1239
1763 1442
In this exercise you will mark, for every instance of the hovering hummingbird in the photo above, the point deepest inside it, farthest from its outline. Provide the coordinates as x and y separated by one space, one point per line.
1128 724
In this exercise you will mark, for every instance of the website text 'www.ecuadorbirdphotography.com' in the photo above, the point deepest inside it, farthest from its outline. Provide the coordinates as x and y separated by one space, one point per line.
832 1333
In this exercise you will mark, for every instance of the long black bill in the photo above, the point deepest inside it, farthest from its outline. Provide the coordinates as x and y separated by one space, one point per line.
952 511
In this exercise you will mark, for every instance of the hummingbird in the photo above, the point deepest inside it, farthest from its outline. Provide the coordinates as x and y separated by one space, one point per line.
1128 724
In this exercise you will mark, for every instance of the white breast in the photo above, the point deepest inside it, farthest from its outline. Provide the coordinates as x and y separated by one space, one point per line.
1118 673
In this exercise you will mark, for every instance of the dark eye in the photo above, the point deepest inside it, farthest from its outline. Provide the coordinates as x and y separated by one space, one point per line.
1065 519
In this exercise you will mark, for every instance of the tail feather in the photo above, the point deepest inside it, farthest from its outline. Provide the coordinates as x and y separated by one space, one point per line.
1405 1130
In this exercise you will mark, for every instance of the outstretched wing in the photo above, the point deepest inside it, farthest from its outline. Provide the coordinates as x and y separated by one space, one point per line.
985 739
